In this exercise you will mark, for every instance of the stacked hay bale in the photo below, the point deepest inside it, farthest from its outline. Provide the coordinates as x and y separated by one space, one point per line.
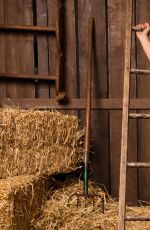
56 214
38 142
21 198
33 144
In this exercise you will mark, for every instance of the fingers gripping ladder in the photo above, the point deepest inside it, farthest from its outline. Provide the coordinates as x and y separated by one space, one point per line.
125 118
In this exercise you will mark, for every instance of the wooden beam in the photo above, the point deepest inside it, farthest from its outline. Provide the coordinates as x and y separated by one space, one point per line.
28 76
27 28
79 104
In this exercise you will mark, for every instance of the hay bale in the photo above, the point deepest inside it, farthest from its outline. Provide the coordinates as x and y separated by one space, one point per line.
20 201
57 215
38 142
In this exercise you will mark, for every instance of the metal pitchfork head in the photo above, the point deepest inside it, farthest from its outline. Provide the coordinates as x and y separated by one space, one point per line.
88 196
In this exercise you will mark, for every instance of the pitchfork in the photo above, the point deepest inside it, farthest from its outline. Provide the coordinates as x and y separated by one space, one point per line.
85 193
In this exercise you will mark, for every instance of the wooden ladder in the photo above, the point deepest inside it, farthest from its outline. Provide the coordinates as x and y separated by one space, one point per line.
122 217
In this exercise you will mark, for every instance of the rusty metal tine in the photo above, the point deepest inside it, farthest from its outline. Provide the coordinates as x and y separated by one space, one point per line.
93 201
85 202
77 201
103 204
71 197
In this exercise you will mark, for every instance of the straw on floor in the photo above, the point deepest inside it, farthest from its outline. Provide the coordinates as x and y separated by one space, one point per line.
21 198
38 142
56 215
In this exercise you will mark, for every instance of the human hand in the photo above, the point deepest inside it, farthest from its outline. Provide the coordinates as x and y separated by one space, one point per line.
145 29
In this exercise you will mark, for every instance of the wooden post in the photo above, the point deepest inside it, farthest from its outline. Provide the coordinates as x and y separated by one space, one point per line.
124 139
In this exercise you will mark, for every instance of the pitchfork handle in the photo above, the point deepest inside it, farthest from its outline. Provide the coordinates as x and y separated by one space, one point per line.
88 102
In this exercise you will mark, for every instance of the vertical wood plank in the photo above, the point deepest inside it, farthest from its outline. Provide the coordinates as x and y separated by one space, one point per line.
2 52
27 88
70 50
132 174
100 90
115 49
143 8
116 33
12 54
52 11
42 44
100 159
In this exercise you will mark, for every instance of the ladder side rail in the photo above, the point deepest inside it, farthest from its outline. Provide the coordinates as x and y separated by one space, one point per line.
124 137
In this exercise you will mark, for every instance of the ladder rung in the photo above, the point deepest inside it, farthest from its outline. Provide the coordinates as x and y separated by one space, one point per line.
138 164
137 218
134 28
139 115
140 71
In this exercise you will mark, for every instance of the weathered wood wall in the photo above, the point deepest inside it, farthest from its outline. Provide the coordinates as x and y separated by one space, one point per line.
27 54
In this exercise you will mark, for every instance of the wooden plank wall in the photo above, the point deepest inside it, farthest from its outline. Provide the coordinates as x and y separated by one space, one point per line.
28 54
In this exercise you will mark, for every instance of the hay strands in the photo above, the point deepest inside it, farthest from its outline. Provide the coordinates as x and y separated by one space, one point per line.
85 193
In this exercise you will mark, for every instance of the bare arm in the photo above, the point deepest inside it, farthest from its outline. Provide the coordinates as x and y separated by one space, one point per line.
143 38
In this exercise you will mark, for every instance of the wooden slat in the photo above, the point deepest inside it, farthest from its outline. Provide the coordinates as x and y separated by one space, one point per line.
44 103
26 89
124 137
143 9
42 48
12 46
27 76
79 104
27 28
72 104
100 119
2 52
115 28
19 83
140 103
139 115
52 11
71 51
140 71
138 164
